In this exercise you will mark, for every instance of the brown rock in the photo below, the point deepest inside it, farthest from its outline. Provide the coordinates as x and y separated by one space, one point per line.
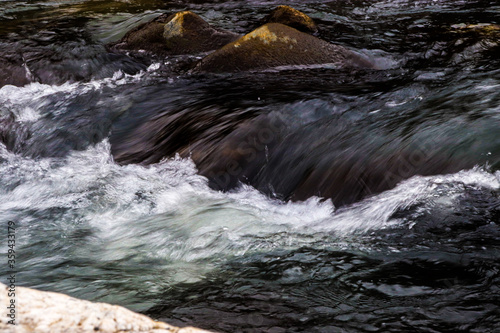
147 36
180 33
274 45
481 28
293 18
186 32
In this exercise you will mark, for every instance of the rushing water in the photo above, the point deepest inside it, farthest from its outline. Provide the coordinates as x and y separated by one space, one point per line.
420 253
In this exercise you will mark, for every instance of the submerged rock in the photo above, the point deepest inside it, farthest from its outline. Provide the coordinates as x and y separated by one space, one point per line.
61 61
486 33
12 73
40 312
186 32
180 33
485 29
12 67
471 42
293 18
274 45
147 36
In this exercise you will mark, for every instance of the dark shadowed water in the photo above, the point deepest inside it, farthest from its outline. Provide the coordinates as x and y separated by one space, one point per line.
364 201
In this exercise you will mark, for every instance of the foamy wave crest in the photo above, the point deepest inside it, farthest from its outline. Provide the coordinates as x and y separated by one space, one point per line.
25 103
376 212
86 206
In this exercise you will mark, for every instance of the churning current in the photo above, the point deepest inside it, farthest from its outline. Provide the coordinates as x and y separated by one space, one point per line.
372 206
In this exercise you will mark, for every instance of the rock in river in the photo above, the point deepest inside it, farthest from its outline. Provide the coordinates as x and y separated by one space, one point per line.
274 45
180 33
293 18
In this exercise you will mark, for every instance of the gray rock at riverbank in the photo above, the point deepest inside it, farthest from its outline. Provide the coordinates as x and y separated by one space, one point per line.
40 312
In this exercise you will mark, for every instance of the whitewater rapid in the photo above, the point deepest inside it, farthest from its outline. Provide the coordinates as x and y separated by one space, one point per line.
150 227
168 208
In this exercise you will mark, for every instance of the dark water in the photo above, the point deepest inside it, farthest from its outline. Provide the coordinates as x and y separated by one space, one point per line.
407 157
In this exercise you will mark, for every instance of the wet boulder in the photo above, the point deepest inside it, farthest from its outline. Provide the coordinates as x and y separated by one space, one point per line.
147 36
187 32
12 67
464 35
474 42
60 61
274 45
12 73
293 18
482 29
180 33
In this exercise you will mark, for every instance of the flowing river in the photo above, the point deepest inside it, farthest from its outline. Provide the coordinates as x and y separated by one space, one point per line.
419 254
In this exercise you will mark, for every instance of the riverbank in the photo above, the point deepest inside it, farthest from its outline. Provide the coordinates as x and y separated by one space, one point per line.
41 311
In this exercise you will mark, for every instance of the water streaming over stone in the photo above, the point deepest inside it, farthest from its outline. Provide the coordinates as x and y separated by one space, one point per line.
418 253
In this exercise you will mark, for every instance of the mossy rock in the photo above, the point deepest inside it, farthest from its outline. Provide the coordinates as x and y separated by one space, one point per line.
293 18
473 41
485 29
147 36
180 33
476 32
274 45
186 32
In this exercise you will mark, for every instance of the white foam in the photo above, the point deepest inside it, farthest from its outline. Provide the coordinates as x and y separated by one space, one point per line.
375 212
112 197
166 212
25 103
390 7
